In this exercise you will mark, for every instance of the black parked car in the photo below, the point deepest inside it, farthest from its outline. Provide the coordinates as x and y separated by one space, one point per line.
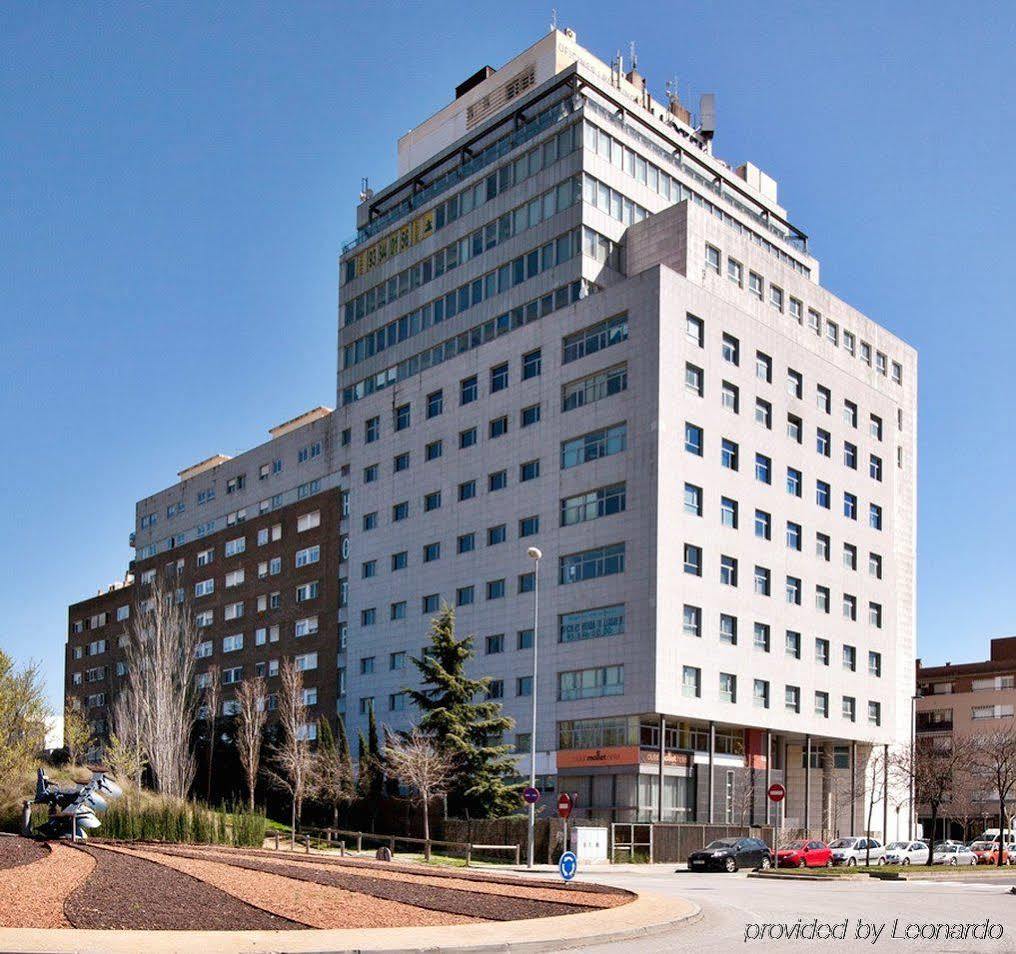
729 854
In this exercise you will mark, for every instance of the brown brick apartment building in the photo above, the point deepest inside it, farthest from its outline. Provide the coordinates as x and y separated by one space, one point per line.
958 702
260 590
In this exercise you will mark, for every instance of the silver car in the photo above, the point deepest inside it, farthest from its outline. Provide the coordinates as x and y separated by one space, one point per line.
857 851
953 855
906 853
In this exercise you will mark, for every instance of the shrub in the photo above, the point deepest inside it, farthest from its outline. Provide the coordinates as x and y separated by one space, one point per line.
160 819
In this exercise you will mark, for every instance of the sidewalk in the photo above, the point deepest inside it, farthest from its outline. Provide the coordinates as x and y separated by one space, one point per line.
648 915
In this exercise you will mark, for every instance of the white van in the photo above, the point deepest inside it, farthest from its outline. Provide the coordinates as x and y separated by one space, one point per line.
992 835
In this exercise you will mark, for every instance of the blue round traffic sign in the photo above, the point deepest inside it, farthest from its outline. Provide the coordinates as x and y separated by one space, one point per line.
530 795
568 865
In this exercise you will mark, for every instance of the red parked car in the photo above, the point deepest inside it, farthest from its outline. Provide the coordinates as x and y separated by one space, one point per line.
804 854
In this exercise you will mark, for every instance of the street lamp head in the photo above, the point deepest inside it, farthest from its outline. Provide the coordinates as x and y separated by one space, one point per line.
534 553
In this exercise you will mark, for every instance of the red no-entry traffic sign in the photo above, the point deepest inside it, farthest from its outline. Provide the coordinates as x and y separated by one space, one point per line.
564 804
776 792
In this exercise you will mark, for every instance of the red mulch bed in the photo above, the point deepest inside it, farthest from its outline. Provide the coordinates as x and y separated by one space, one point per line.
363 866
434 898
127 892
15 851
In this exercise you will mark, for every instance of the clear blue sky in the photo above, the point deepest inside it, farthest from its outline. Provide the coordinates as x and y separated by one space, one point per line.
177 180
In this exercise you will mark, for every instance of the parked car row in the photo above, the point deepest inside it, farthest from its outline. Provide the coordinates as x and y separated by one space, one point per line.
732 854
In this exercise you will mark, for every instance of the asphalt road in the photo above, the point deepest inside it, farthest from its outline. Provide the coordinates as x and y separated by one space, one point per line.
732 905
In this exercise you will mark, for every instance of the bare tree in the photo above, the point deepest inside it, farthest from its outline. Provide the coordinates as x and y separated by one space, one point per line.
125 753
874 775
935 766
161 651
423 768
994 755
78 734
210 705
332 778
291 757
251 715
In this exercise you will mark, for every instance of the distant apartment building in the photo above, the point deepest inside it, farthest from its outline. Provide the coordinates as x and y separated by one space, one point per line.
957 702
569 325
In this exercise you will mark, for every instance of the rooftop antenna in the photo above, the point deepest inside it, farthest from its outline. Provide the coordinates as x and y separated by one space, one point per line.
553 19
673 88
634 58
366 192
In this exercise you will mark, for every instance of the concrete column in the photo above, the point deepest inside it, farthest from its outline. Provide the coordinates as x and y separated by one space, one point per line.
769 771
827 786
807 785
853 788
710 814
659 787
885 794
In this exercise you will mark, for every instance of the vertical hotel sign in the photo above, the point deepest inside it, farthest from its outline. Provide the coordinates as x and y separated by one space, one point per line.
398 241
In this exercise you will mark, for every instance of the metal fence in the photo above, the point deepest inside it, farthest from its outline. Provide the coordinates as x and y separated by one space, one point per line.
344 840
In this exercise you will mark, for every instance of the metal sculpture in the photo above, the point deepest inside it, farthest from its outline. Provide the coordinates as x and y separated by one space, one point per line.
72 811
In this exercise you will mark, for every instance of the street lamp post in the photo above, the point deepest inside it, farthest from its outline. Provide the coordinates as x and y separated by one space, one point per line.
535 554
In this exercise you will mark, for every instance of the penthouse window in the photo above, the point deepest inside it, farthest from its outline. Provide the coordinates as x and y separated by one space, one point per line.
592 564
594 388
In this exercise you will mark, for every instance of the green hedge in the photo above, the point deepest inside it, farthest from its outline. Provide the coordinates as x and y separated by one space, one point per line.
182 823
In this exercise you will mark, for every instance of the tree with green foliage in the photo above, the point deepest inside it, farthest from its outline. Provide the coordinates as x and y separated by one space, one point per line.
377 758
465 724
23 714
332 772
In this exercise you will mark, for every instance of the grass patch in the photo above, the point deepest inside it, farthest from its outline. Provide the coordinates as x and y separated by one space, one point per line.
891 870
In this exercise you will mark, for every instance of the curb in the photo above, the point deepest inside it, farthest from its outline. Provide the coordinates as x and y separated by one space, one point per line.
811 877
533 947
566 933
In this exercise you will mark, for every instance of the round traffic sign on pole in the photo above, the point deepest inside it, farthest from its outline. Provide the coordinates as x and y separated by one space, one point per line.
564 804
530 795
568 865
776 792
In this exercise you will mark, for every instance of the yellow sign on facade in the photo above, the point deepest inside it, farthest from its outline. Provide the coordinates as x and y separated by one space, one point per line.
398 241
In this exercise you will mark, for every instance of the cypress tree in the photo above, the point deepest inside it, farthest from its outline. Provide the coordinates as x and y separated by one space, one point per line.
466 724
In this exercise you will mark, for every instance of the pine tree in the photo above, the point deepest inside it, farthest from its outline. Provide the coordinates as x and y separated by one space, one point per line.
469 731
375 789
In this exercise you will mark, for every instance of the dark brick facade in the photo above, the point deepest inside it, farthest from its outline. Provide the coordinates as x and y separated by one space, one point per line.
268 593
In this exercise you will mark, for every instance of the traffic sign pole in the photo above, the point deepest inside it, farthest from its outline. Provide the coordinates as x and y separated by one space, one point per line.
565 803
777 793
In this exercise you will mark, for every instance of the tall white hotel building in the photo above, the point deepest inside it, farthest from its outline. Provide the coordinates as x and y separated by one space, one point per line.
569 325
